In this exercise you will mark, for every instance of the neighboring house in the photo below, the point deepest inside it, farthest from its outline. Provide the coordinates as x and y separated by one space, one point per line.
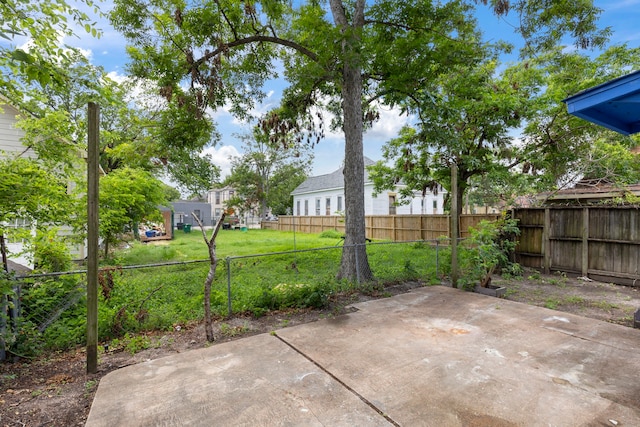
10 135
11 144
217 198
324 195
183 211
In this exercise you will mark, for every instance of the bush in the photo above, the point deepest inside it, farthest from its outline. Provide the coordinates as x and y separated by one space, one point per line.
50 252
487 251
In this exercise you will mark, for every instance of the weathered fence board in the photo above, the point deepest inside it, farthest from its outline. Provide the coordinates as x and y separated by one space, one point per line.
602 243
399 228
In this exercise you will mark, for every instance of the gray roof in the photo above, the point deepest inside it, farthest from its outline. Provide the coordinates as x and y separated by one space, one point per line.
329 181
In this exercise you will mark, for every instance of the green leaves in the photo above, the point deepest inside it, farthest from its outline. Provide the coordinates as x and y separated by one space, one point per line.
42 22
128 197
266 174
30 192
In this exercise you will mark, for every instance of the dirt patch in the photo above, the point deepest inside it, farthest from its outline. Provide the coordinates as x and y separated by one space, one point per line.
578 295
56 390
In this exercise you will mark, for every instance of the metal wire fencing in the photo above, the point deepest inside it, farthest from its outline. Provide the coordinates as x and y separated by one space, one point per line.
162 296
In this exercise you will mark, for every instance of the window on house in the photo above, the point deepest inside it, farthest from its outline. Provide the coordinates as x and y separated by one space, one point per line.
298 208
392 204
306 207
328 206
435 206
217 197
218 212
317 207
197 213
339 203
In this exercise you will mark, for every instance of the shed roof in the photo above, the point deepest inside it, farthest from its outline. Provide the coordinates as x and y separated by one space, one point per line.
614 105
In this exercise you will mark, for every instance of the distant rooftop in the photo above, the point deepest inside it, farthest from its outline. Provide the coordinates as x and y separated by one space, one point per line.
331 180
614 105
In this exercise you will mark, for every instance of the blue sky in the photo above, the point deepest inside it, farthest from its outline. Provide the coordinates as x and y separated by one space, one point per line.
623 16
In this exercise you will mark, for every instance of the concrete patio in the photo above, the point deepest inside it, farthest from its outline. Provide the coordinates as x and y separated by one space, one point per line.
434 357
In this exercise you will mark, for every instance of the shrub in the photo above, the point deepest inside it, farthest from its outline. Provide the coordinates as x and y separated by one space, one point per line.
50 252
487 250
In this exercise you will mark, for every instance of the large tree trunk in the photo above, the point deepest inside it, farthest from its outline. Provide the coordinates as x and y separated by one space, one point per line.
354 265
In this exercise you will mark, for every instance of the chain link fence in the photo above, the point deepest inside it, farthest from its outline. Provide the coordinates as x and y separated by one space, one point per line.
160 296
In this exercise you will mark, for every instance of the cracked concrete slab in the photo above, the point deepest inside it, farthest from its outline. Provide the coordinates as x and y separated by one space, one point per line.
434 357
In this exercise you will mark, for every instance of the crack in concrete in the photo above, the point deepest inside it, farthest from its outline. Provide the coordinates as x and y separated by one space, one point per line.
342 383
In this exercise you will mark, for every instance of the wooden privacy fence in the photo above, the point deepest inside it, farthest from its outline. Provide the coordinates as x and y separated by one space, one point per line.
400 228
602 243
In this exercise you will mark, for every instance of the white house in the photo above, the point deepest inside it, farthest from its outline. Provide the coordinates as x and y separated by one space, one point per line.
217 198
324 195
11 144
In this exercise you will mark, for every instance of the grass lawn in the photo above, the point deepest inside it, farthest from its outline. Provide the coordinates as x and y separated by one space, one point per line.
258 267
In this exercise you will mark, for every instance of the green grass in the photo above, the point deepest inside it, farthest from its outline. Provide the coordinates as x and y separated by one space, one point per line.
260 275
229 243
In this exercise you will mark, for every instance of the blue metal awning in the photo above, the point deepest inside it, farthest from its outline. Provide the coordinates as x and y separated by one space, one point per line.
614 105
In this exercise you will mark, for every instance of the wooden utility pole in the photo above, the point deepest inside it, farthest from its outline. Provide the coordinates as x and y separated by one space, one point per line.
455 225
93 156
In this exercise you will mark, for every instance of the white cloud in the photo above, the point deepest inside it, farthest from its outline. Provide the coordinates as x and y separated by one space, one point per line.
222 156
388 126
60 39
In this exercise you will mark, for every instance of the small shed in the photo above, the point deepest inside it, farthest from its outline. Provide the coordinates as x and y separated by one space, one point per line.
184 210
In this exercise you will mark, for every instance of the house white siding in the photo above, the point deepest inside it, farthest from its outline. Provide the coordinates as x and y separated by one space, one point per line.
11 144
317 202
10 134
310 198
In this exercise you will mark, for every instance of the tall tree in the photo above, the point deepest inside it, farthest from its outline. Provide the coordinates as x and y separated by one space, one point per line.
224 52
266 174
464 121
135 130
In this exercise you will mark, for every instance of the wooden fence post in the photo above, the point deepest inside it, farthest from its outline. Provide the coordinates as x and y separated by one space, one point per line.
546 242
93 159
585 242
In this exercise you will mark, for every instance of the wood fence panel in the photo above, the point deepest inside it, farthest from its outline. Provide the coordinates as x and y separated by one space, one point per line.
529 250
566 255
407 228
381 227
601 242
434 227
566 223
469 221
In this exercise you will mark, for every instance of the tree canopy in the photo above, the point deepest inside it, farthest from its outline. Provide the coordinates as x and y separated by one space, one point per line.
127 198
344 56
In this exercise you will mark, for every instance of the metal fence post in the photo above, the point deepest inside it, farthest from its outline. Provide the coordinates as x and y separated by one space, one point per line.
228 261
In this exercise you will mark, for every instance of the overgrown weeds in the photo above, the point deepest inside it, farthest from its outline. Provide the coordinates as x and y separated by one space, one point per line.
133 301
